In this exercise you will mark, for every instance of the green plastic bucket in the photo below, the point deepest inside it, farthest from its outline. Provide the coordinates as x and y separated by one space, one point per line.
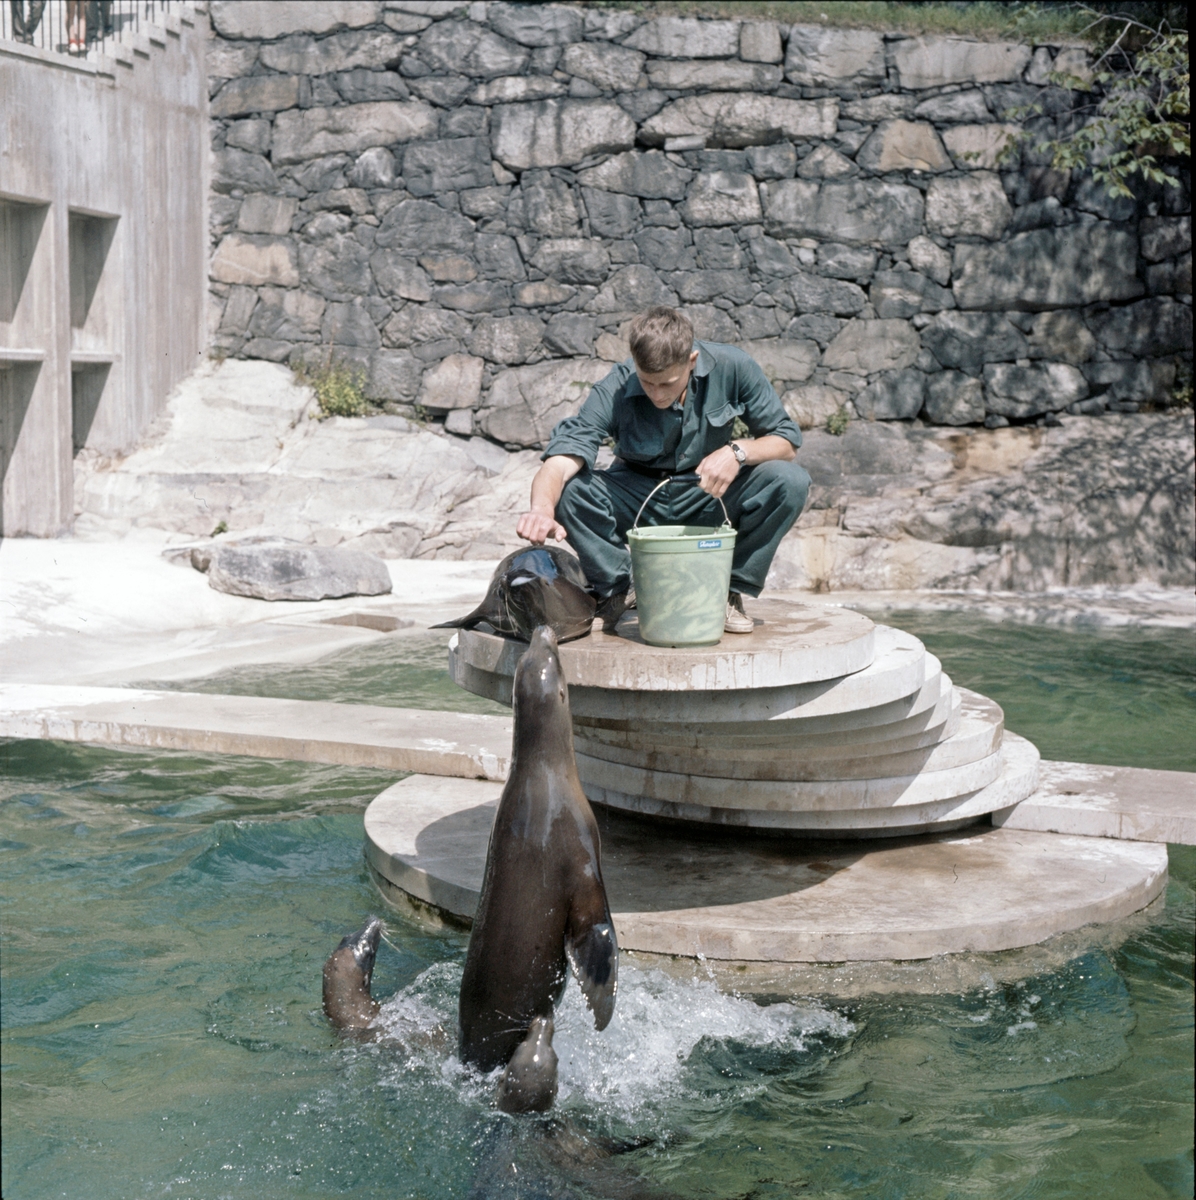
682 574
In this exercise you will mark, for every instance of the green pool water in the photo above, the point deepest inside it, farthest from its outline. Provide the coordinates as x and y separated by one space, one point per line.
164 918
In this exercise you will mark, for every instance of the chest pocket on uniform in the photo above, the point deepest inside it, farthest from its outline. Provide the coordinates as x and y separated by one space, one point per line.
640 435
725 415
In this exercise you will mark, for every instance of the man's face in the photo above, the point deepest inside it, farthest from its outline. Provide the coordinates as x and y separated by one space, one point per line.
666 387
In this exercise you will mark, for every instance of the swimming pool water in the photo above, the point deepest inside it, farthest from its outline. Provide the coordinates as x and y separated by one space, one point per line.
164 918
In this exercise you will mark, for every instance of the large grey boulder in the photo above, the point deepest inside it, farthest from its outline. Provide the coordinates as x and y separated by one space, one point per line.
337 267
282 570
722 198
903 146
1014 391
256 93
893 396
233 168
450 165
1049 268
526 402
506 339
686 37
847 262
611 68
468 48
968 340
905 293
573 260
867 347
253 259
953 398
865 210
783 360
548 205
302 54
928 62
819 56
420 227
697 286
1061 336
931 259
301 134
611 215
1165 237
968 206
1149 328
957 107
649 175
737 119
558 133
713 77
816 294
267 19
632 289
453 383
536 24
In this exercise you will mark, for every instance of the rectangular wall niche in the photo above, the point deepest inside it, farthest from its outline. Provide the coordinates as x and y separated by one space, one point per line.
20 227
16 390
87 386
90 240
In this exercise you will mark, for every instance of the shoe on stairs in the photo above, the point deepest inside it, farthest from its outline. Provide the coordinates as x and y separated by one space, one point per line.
737 620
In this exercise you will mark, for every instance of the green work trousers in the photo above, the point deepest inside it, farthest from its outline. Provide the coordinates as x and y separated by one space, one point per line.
598 507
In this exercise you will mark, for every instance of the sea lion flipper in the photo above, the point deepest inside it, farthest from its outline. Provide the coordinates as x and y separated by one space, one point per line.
593 954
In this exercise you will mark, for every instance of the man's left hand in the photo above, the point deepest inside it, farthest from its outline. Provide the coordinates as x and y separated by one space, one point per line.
717 471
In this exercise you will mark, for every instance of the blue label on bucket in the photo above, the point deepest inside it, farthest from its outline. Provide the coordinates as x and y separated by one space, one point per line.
710 544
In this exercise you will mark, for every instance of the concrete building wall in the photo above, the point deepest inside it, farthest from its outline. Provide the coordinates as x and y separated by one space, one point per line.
103 186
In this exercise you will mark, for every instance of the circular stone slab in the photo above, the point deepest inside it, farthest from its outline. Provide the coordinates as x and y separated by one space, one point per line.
795 643
743 899
916 812
897 670
974 735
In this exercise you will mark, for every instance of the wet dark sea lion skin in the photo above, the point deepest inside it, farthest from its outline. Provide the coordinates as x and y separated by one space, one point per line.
543 904
347 974
533 586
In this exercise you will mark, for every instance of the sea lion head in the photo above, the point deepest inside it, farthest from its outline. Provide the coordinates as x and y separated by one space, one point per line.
347 975
540 696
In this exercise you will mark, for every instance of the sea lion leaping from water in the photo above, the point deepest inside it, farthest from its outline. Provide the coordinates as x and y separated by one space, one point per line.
538 585
543 904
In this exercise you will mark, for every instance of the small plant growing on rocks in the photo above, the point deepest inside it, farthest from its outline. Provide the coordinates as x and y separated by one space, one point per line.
838 421
339 388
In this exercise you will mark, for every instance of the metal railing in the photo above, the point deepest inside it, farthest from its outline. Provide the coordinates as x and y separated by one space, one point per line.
83 28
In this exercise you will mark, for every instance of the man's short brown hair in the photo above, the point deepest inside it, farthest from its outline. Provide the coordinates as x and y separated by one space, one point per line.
660 338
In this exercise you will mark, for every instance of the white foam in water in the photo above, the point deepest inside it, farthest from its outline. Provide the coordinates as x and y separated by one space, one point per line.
641 1056
659 1021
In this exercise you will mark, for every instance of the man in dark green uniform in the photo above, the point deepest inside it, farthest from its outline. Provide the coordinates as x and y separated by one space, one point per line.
670 410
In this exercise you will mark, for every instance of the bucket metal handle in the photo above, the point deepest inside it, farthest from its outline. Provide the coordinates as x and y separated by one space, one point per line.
671 479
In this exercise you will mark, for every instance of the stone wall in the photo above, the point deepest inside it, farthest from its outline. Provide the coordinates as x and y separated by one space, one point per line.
470 200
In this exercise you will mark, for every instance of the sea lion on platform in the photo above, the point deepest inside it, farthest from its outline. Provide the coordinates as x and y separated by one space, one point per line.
543 904
347 973
538 585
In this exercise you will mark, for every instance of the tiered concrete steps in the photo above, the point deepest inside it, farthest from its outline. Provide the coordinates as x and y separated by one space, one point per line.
819 722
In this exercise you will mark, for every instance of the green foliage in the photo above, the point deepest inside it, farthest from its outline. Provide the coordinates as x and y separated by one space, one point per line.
1141 114
339 388
221 527
739 429
838 421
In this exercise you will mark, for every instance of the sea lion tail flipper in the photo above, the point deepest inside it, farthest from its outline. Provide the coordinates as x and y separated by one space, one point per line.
347 974
529 1083
593 953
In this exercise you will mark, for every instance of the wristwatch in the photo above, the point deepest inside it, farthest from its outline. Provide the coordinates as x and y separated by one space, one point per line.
740 455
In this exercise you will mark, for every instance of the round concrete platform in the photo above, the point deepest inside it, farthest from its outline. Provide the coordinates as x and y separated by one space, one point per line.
793 644
897 667
688 893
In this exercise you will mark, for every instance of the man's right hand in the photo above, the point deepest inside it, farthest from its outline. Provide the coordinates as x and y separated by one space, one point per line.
537 527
